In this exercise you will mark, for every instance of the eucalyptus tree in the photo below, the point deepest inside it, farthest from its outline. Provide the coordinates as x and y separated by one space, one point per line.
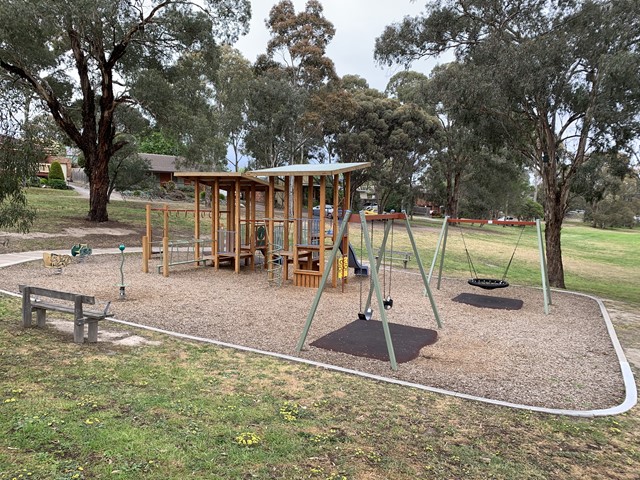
275 107
20 153
85 59
554 80
295 55
456 147
361 124
234 81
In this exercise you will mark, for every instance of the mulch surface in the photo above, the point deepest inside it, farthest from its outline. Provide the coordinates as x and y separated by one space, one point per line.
486 301
366 339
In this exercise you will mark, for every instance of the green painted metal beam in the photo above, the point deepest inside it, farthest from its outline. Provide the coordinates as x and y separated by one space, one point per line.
434 308
323 281
376 287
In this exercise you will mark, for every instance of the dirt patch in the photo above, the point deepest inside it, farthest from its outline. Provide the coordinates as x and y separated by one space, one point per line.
123 338
71 232
561 360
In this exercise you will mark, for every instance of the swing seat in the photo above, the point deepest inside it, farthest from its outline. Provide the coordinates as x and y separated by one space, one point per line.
488 283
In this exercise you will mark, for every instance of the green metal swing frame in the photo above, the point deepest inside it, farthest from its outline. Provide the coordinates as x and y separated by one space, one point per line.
442 246
375 283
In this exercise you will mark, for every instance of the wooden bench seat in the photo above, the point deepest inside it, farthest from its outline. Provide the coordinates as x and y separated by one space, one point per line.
81 316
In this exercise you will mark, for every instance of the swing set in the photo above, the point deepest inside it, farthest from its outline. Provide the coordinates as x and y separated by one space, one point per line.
384 300
491 283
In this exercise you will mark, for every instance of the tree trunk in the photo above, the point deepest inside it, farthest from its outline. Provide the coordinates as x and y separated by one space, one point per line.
99 188
453 194
552 230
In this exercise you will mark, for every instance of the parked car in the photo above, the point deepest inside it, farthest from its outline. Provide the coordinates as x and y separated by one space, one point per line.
328 210
371 209
330 215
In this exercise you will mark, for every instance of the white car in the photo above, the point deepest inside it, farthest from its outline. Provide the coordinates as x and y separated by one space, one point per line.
328 210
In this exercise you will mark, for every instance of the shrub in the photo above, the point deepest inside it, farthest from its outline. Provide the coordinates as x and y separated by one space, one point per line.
55 172
169 186
530 210
612 214
57 184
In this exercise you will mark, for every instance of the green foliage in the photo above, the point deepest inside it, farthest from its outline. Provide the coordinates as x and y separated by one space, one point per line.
530 210
159 143
234 82
165 52
55 172
57 184
20 154
279 130
128 171
612 213
553 81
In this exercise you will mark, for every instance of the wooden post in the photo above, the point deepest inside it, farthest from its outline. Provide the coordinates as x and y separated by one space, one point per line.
334 226
236 218
271 214
196 214
251 224
165 222
215 223
214 202
310 198
347 206
165 256
27 314
287 212
297 218
321 228
78 320
145 255
149 229
92 331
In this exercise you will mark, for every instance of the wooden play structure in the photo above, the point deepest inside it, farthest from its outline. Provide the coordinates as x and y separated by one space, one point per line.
302 238
375 260
491 283
237 230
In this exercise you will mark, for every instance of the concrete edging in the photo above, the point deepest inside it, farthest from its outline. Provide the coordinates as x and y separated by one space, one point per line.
631 393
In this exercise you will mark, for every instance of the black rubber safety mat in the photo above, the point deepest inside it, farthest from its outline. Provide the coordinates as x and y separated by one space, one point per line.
486 301
364 338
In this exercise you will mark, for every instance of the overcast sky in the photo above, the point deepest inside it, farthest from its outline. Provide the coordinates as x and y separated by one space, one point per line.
357 22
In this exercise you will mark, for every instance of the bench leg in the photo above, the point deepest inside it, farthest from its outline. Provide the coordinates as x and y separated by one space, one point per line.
41 317
92 334
27 313
405 263
78 331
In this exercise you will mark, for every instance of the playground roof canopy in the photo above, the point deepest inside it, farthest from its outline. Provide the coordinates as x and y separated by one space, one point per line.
226 180
310 169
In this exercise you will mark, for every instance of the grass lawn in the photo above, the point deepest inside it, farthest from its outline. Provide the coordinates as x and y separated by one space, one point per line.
184 410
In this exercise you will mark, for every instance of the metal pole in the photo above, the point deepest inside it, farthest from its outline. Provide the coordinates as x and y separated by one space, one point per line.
427 289
323 281
444 249
378 260
376 286
435 255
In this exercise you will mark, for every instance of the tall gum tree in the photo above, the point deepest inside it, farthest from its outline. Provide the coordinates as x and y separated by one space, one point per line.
556 81
92 53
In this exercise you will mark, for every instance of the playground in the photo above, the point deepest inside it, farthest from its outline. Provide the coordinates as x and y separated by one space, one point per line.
562 360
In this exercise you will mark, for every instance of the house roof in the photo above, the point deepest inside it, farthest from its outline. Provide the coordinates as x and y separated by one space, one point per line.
57 158
161 163
310 169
